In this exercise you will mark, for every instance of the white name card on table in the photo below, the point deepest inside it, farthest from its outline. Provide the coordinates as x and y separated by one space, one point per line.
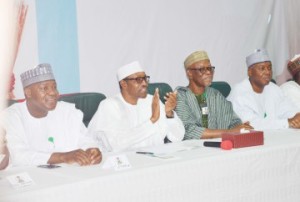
118 162
20 180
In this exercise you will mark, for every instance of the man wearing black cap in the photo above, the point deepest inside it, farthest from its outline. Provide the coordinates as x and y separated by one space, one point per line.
42 130
260 101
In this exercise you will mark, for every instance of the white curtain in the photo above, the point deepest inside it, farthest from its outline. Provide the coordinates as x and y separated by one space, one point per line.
161 33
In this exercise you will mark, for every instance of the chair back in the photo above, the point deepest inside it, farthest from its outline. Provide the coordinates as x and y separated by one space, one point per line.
163 89
221 86
86 102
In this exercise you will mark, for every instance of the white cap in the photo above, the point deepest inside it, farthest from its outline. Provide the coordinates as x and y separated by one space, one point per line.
42 72
129 69
259 55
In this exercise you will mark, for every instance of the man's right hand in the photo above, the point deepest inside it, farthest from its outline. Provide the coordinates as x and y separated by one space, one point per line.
155 107
76 156
245 126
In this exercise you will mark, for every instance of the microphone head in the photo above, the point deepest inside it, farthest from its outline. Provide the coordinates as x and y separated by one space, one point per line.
226 145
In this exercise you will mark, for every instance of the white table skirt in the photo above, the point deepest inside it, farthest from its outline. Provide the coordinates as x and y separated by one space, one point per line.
263 173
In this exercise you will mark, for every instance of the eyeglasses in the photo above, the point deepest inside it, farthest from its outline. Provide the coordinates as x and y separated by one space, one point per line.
203 70
139 80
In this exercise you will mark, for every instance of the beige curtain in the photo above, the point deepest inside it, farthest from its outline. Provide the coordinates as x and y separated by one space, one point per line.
12 18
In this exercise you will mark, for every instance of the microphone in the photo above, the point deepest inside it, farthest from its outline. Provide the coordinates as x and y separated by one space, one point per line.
225 144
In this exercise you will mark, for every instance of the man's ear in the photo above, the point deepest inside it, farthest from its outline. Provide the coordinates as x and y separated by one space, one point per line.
27 92
249 72
188 74
123 84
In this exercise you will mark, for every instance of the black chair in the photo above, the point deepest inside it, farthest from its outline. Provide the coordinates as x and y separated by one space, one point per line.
163 89
221 86
86 102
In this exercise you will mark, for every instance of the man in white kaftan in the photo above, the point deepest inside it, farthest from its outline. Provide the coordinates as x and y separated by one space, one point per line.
260 101
42 130
133 118
31 141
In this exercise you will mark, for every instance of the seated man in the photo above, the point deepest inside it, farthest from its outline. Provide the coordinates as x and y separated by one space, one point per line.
42 130
133 119
204 111
291 89
260 101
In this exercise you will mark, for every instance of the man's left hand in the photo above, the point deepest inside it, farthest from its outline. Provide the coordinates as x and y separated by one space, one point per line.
171 102
95 155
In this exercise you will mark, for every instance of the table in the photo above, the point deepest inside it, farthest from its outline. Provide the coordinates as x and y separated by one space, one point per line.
262 173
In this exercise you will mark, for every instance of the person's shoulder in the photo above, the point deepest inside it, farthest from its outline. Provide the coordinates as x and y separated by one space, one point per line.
111 102
183 93
272 86
273 90
117 98
65 105
240 89
214 94
15 108
288 84
241 84
213 91
182 90
13 112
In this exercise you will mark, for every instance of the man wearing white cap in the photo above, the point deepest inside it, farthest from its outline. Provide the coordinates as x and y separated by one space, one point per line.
134 119
260 101
42 130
